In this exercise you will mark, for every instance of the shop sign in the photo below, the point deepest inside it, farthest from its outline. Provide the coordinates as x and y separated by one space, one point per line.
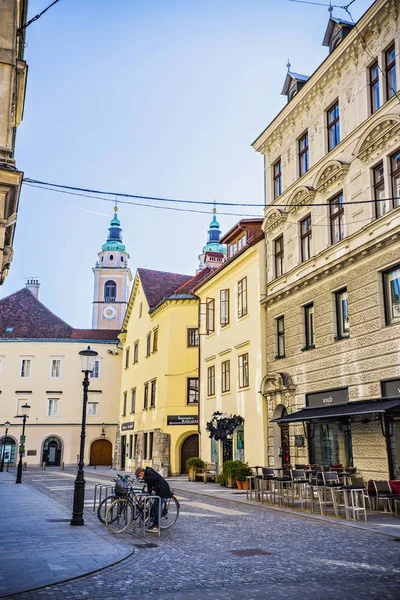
391 388
328 398
127 426
182 420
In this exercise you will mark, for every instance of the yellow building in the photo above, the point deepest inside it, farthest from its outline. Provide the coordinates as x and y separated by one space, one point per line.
159 387
332 225
40 365
13 73
232 347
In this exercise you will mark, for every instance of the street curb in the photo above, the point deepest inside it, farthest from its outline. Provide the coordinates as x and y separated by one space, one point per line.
352 524
49 585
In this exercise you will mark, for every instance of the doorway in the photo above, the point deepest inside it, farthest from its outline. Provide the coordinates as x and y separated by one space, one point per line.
123 452
52 448
227 449
101 453
285 444
9 447
189 449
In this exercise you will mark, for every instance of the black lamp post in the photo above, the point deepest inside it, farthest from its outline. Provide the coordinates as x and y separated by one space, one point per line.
25 410
6 425
87 357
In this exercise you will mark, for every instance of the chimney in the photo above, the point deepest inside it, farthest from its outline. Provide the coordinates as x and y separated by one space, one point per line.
33 286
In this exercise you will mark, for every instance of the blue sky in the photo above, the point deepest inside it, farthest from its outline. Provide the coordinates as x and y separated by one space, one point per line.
160 98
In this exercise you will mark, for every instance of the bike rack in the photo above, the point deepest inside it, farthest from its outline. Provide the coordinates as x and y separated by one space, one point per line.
148 501
99 487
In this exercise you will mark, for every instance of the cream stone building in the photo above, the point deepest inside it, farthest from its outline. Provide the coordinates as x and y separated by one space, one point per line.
13 74
233 348
40 365
159 387
332 226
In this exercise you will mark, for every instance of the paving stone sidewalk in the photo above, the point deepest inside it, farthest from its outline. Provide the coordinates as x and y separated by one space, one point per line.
39 547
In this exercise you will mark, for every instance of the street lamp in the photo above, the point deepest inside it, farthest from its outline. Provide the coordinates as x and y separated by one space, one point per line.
7 426
88 357
25 411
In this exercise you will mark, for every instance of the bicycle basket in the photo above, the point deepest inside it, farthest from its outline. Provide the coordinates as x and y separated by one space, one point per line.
121 488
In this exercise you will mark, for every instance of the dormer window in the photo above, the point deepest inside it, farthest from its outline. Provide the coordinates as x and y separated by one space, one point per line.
335 32
293 84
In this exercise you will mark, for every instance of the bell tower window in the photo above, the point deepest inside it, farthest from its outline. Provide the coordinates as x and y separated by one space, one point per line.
110 291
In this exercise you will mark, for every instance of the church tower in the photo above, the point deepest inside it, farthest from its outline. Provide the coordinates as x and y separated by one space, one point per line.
214 253
112 278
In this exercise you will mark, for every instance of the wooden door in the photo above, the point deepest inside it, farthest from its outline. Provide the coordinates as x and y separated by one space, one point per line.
101 453
189 449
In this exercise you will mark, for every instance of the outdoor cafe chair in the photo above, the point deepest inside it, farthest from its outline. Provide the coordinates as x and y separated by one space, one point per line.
265 483
300 486
384 494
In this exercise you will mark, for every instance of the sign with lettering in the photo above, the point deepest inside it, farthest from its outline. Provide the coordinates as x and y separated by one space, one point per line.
182 420
391 388
127 426
328 398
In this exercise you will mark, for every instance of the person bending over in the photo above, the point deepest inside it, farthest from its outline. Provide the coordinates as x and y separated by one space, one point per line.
155 482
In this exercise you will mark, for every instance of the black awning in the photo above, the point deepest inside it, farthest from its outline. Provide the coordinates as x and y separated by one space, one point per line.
341 410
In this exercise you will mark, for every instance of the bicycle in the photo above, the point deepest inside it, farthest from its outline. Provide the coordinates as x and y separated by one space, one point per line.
120 485
123 511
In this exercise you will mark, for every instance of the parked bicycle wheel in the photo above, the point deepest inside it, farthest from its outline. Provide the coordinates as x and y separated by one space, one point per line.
169 513
102 508
119 515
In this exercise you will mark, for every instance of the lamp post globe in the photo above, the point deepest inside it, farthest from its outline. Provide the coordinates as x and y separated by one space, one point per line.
7 425
25 414
88 358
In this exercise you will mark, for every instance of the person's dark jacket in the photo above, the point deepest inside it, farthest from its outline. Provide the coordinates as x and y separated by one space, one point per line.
157 483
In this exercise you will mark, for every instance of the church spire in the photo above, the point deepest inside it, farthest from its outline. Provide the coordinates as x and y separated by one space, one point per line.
214 253
112 278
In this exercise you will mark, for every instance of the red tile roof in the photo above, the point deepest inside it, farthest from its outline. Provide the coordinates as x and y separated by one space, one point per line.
158 285
189 286
25 317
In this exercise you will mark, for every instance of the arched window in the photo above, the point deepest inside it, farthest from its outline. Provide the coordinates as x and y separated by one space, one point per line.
110 291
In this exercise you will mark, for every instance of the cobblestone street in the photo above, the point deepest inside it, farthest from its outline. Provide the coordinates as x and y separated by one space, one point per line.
222 550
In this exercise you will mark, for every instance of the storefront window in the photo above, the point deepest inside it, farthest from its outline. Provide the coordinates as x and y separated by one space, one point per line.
239 444
330 444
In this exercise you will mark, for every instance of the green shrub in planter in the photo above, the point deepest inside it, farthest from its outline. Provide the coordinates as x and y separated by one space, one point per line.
195 463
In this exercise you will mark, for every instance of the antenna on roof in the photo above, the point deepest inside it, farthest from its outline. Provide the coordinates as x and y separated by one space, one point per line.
288 64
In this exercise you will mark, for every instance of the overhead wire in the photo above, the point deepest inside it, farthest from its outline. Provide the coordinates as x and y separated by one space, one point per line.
50 186
129 203
36 17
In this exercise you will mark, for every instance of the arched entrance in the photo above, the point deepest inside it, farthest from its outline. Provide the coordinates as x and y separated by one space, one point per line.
9 447
189 449
52 448
101 453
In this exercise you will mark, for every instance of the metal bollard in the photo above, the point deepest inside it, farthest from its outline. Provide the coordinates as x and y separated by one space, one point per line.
24 466
43 466
63 466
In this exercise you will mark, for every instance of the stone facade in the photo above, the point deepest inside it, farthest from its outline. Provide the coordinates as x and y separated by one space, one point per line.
13 75
366 247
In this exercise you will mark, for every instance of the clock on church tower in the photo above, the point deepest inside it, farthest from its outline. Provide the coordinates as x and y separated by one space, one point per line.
112 278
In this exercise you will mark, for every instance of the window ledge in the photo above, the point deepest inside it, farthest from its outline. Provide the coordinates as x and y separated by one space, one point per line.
244 389
306 348
278 357
227 392
212 396
242 317
338 338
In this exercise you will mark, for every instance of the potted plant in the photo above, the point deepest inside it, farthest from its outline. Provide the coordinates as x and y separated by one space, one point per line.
242 470
194 464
